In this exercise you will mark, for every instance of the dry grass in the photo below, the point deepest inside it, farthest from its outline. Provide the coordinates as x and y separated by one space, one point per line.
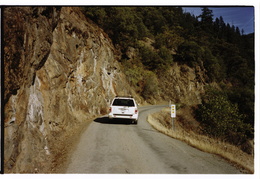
187 129
64 147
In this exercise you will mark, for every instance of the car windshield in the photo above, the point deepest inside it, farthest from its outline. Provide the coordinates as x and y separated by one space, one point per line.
123 102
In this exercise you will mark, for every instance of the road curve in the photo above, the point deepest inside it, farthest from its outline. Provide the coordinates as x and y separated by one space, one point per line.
118 147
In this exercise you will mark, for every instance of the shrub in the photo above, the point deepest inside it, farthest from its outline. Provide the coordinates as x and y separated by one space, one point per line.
134 74
155 60
151 86
166 57
221 119
150 59
144 81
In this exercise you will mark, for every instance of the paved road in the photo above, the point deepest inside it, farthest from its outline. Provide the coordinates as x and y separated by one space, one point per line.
117 147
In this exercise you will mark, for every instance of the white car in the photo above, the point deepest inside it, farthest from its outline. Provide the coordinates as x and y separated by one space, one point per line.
124 108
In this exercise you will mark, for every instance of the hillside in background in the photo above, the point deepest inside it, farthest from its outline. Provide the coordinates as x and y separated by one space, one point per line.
171 55
63 66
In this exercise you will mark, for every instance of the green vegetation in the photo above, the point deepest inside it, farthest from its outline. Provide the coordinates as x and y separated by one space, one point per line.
144 81
220 118
221 50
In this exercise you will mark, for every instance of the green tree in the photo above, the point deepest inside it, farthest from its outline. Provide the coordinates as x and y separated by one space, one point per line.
215 68
98 14
169 39
149 58
166 59
153 19
206 19
190 53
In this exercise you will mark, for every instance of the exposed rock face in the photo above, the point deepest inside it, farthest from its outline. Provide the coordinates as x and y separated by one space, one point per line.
60 70
28 38
183 84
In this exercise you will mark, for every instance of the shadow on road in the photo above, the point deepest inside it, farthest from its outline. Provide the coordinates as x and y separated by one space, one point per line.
106 120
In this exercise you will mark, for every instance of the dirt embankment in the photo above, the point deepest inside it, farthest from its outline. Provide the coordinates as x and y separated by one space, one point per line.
187 129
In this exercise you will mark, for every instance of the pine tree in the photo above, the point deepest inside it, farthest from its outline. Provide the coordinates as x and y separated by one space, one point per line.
206 19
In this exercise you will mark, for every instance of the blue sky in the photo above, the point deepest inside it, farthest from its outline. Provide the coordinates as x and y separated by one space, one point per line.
242 17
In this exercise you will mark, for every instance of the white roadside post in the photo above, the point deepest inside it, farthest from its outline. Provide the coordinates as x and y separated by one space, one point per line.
173 114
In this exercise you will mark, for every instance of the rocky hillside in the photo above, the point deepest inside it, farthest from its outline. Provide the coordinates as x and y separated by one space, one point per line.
62 70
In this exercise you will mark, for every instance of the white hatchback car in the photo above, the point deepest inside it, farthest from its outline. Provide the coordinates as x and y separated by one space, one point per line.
124 108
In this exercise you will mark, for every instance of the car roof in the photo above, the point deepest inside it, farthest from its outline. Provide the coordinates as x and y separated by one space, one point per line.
124 97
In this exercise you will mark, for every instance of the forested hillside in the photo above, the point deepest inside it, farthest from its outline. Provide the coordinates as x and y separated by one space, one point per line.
219 49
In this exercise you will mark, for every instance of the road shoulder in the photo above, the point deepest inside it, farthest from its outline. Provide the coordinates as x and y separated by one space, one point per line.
243 161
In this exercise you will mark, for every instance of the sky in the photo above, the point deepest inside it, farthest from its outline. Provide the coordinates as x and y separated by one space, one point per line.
242 17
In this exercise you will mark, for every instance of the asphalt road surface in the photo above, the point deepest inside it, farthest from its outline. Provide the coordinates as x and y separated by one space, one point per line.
119 147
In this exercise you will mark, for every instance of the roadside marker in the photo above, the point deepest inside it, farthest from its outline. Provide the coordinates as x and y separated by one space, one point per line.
173 114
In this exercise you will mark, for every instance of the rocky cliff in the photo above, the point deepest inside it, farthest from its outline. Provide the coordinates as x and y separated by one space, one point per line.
60 71
182 84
